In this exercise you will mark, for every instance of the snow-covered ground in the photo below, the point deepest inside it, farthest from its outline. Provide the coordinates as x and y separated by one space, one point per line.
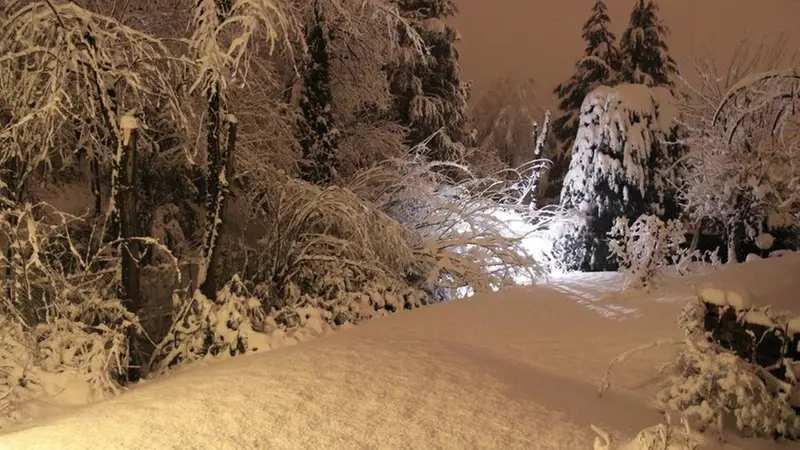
513 370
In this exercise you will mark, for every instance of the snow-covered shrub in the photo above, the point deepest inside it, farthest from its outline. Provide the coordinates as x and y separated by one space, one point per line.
743 171
621 166
397 236
663 436
61 317
711 383
460 231
204 327
644 247
312 235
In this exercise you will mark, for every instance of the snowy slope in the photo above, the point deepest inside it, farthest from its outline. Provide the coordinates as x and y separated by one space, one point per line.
515 370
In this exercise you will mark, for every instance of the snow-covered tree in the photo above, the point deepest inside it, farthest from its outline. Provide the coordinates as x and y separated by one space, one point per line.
599 65
508 125
319 136
344 92
504 115
644 48
742 173
621 166
429 94
220 59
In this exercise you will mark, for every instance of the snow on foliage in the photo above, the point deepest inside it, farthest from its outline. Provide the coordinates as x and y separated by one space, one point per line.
619 127
457 229
710 383
620 166
742 173
329 254
644 247
599 66
61 319
644 47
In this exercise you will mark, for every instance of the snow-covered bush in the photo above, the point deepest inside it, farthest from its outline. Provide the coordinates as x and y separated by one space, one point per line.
204 327
644 247
742 174
664 436
460 231
711 383
61 317
398 236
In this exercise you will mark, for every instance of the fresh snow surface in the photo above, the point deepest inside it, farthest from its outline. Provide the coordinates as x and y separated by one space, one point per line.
513 370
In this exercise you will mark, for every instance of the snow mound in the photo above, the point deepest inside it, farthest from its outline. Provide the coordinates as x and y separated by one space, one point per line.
498 371
752 257
736 298
760 286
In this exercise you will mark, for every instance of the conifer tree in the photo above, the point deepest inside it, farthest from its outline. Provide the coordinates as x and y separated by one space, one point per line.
429 94
319 137
599 66
644 48
618 169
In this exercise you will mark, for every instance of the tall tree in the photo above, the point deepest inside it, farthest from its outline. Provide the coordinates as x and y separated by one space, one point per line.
644 48
618 169
319 136
600 65
428 92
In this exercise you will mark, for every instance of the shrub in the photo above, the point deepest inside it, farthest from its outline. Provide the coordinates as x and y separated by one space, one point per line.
644 247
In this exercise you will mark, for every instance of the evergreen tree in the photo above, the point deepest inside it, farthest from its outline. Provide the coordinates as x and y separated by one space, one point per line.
428 94
319 137
621 167
646 58
599 66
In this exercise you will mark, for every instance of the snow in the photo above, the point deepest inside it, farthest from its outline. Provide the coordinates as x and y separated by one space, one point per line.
535 240
738 299
752 257
619 127
127 123
518 369
736 293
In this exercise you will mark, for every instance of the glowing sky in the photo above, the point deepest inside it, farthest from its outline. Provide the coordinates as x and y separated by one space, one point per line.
542 38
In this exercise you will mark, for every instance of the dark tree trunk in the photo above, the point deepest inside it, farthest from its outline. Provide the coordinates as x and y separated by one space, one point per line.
94 165
319 137
698 230
9 175
128 249
220 171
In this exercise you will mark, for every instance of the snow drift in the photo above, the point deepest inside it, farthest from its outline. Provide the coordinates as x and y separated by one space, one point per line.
516 370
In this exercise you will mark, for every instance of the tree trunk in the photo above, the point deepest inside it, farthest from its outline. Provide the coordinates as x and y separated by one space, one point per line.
13 196
319 137
735 234
94 165
128 246
220 172
698 230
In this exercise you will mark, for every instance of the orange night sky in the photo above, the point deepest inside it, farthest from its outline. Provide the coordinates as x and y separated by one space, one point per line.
542 38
